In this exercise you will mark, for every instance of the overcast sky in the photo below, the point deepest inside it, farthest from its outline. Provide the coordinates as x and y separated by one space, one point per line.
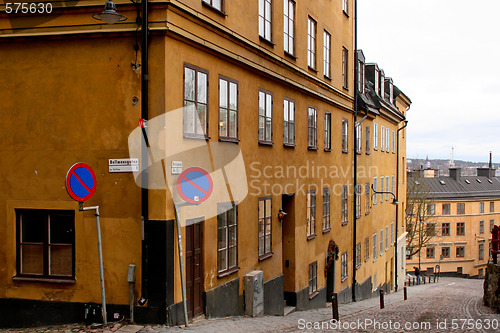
443 54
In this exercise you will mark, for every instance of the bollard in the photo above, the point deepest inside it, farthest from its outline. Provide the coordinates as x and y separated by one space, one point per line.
335 306
405 294
413 280
423 279
381 298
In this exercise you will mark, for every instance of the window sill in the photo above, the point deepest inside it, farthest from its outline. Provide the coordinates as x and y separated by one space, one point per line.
344 278
266 143
326 230
345 151
288 145
43 279
326 77
212 8
345 13
290 55
312 69
345 88
196 137
232 140
367 153
266 41
266 256
314 294
228 272
358 152
358 266
312 148
328 150
345 223
367 213
311 237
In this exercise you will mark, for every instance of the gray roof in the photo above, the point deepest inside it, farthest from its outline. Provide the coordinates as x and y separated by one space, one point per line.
466 187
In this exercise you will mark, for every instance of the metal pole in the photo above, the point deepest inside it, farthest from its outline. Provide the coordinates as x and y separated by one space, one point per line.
355 155
405 293
382 305
335 306
131 300
181 263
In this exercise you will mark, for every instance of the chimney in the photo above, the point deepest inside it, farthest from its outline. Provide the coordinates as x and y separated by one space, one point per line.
455 173
487 172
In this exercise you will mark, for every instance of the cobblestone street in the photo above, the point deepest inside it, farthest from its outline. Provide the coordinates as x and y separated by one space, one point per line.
451 305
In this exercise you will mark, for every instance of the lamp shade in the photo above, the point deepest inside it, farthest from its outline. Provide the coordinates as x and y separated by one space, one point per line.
109 15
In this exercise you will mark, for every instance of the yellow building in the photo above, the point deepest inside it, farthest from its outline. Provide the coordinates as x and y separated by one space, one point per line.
281 94
463 210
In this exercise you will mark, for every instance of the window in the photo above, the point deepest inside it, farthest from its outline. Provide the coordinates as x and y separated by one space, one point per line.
392 232
195 102
311 43
289 122
367 248
265 19
392 186
312 125
358 255
367 198
381 242
387 148
345 59
375 246
375 199
382 138
361 77
344 266
430 252
265 227
492 207
446 209
431 228
344 6
393 142
387 187
326 209
375 136
492 224
386 238
328 131
481 227
46 244
460 251
217 4
431 209
358 201
265 116
481 207
382 188
460 228
344 136
313 278
460 208
445 252
481 251
228 109
382 85
326 53
358 139
227 238
289 26
345 205
311 214
367 135
445 229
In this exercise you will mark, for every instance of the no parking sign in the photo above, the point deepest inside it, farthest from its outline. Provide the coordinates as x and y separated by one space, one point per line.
195 185
80 182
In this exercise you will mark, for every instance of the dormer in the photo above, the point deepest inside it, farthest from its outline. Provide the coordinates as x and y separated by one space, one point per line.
389 88
361 71
381 90
372 74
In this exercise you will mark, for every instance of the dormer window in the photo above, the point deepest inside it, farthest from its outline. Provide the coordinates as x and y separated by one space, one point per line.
382 83
361 77
377 82
391 92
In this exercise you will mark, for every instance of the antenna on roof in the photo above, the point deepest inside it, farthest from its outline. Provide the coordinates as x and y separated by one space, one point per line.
491 163
452 163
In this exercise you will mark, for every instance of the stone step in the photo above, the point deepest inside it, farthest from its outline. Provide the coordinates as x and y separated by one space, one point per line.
288 310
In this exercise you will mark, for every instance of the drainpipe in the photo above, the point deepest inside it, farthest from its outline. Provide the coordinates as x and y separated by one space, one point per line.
355 164
397 208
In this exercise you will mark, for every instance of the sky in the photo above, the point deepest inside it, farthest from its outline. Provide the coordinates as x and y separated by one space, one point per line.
443 54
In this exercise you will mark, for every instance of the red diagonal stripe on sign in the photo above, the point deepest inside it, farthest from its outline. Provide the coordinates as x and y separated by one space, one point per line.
81 181
194 184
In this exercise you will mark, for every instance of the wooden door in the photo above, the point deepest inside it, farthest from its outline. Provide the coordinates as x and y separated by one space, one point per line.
194 269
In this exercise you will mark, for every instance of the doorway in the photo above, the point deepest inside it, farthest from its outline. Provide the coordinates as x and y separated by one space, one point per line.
194 267
288 248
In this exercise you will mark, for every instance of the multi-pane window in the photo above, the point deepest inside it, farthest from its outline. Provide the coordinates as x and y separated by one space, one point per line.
227 237
361 76
445 229
358 255
430 252
217 4
328 131
265 116
326 53
311 43
344 6
492 224
367 142
393 184
375 195
377 81
289 25
460 208
46 244
344 266
460 251
326 209
387 187
382 188
492 207
431 228
345 59
311 213
382 138
312 127
344 136
344 205
381 242
431 209
481 227
265 19
445 252
375 136
386 238
387 139
481 251
367 248
288 122
195 101
382 85
460 228
313 278
265 226
393 142
446 209
358 200
228 109
367 198
392 232
481 207
375 246
358 139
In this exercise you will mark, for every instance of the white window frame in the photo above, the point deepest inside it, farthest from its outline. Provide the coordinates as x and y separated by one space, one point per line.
382 138
311 42
375 244
375 189
387 140
327 42
265 19
289 26
375 136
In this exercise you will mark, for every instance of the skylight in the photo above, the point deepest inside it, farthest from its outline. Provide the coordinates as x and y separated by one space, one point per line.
490 181
467 181
478 180
442 182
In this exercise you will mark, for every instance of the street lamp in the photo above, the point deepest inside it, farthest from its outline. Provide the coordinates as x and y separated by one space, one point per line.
394 200
110 15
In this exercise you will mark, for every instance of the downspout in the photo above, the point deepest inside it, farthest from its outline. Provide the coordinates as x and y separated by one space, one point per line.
355 166
397 208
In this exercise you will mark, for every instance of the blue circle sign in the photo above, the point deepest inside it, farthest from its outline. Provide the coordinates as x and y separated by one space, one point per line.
195 185
80 182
